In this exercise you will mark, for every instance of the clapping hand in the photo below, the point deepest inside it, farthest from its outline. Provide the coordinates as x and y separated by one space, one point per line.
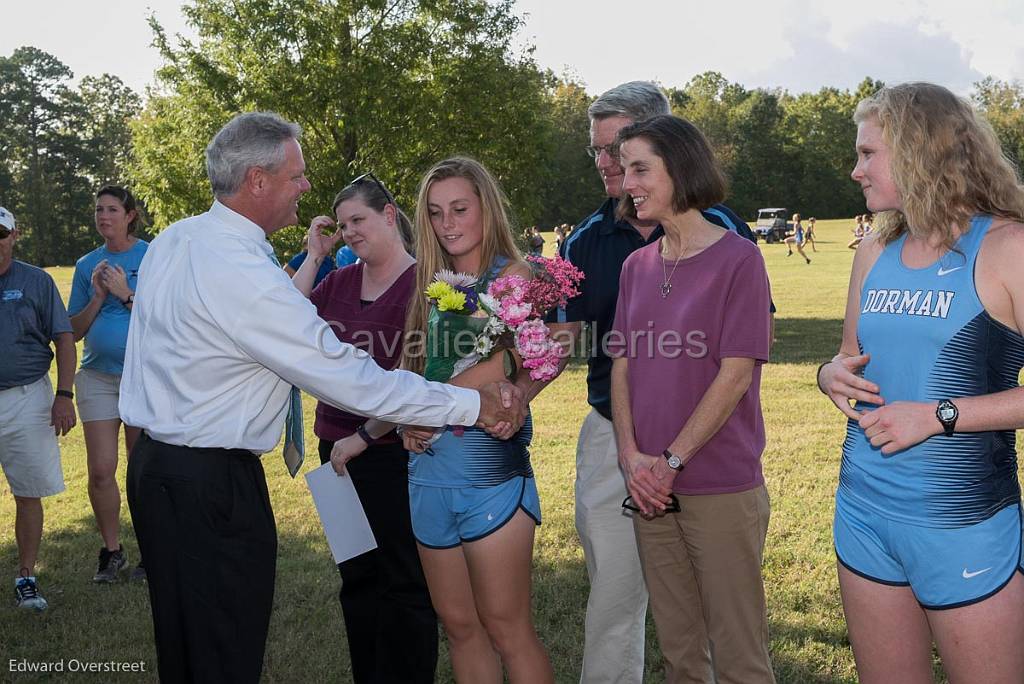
115 280
99 287
319 245
502 409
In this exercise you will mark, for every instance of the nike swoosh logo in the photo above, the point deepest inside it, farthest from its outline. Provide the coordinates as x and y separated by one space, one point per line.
943 271
969 575
490 516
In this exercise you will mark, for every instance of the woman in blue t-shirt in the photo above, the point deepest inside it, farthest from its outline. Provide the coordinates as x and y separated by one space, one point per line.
100 308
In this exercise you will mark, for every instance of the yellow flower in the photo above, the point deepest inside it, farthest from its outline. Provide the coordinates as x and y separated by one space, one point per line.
438 289
451 301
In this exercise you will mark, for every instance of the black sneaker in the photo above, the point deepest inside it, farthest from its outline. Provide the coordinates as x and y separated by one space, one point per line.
110 564
138 574
26 595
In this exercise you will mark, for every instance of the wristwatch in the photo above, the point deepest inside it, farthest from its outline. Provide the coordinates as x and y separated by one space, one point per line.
674 462
65 393
364 435
130 300
947 413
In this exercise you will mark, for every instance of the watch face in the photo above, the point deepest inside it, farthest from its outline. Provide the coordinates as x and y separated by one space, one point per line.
947 412
674 462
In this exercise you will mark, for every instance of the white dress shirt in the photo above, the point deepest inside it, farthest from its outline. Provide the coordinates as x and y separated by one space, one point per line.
219 335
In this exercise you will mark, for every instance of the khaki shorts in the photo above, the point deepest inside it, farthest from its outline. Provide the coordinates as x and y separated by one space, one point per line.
96 394
29 454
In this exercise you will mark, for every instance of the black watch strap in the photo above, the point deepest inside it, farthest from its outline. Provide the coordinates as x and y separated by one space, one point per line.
364 435
65 393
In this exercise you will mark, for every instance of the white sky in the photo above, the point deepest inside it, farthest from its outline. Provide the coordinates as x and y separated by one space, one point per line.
799 45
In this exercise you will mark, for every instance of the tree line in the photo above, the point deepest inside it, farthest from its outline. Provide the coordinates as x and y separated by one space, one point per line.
390 86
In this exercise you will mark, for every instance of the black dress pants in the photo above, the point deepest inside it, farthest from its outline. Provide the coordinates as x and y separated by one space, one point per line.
389 620
206 529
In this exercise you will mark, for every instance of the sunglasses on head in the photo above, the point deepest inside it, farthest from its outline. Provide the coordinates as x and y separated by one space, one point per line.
369 177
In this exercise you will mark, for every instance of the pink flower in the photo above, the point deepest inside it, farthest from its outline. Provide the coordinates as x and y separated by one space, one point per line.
532 339
513 312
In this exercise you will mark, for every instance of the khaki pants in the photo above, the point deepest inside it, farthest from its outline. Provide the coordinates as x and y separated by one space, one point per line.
613 649
703 570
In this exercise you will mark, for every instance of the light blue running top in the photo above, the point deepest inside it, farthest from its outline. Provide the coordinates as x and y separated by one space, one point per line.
930 339
474 458
107 337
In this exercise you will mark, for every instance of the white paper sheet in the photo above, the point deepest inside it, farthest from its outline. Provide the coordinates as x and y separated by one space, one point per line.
341 513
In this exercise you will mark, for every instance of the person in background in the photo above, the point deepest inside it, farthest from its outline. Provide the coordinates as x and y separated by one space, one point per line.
326 265
102 294
858 233
797 238
927 525
809 233
389 621
535 241
32 316
687 417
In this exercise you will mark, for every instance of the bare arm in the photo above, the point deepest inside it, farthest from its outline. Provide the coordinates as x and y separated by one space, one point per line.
62 414
715 407
83 320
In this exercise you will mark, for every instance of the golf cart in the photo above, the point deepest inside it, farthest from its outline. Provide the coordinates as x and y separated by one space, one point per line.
772 225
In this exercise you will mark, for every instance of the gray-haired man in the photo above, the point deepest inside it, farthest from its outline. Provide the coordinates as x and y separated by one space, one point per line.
219 338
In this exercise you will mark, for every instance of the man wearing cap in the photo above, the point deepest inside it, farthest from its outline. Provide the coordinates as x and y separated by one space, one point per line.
32 316
220 338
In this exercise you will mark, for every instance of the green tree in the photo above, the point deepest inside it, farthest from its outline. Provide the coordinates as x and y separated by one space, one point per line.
572 189
1003 105
383 86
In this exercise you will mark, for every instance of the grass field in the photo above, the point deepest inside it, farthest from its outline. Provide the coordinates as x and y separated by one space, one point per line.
307 643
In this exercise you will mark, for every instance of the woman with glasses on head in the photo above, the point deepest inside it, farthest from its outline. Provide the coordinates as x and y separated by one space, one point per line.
100 308
390 624
690 335
928 519
473 496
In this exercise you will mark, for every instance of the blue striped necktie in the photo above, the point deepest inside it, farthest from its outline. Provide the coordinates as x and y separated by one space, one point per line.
294 437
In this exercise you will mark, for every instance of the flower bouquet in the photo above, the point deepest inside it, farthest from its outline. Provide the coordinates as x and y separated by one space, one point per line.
466 325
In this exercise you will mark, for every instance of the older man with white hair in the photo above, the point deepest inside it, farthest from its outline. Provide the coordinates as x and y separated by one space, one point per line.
219 340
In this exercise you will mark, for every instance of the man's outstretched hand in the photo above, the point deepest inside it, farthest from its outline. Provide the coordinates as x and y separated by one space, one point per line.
502 409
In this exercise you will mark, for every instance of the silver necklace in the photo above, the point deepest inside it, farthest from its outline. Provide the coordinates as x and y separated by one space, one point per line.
666 283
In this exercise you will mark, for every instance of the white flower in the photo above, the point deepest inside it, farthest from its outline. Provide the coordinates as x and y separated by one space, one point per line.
484 345
495 326
455 279
488 302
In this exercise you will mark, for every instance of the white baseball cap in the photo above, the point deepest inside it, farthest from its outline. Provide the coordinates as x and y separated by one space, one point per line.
6 219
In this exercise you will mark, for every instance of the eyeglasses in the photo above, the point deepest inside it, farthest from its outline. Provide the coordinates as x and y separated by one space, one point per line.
376 181
673 506
595 150
5 233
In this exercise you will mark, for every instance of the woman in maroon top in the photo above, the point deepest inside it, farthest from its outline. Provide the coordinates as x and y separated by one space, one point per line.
390 624
691 331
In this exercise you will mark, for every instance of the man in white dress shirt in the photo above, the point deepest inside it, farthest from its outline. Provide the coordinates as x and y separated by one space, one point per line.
219 336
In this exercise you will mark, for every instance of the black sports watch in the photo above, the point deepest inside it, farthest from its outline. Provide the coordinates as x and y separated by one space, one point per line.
947 413
674 462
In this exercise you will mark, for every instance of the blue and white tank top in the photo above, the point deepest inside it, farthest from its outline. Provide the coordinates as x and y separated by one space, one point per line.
930 339
471 457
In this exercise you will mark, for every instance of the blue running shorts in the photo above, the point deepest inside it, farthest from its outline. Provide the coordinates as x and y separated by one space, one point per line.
445 517
944 567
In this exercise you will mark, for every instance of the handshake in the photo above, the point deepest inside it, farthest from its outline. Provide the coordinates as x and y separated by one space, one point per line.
502 409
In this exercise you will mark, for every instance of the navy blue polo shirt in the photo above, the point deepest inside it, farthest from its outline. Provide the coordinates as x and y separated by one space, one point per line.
598 246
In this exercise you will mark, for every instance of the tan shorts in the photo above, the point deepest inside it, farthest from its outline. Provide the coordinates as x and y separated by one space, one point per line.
96 394
29 454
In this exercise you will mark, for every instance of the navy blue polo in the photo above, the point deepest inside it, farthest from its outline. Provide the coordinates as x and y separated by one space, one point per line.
598 246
